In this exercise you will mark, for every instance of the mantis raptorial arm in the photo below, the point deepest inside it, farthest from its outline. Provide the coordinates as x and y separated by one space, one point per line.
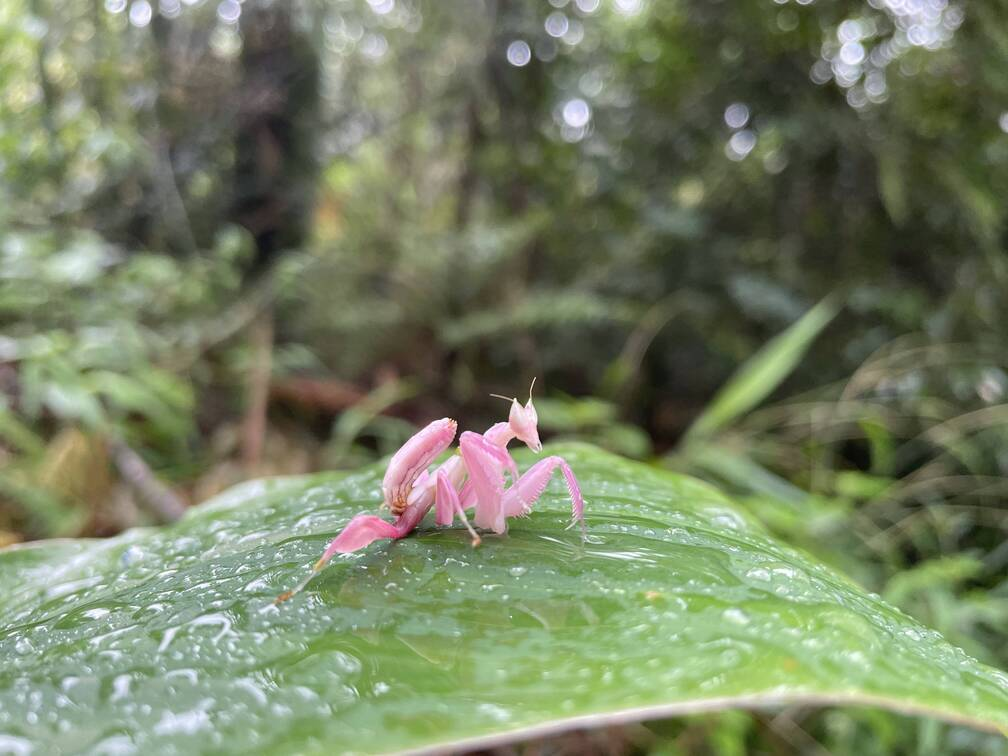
413 459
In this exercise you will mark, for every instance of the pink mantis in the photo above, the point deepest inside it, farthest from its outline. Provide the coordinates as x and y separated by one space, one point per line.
474 478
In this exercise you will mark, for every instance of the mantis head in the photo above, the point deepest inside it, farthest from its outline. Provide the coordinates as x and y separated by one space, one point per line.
524 422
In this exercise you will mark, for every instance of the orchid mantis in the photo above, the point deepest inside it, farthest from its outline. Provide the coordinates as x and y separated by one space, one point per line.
472 479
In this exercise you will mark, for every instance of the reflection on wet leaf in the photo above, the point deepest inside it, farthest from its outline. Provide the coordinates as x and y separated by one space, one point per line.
167 640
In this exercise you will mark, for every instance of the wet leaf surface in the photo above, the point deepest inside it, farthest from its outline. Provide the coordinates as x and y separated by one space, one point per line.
167 640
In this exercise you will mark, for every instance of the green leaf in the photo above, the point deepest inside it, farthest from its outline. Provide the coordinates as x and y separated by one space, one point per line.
763 372
892 183
45 513
129 393
570 413
167 640
355 419
740 471
565 307
17 434
855 484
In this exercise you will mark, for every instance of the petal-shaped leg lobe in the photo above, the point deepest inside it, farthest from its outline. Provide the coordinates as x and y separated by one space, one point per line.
485 464
359 532
446 500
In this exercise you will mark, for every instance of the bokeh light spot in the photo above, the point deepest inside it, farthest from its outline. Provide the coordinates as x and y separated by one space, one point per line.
140 13
229 11
736 115
382 7
576 113
170 8
556 24
740 144
629 7
852 53
519 53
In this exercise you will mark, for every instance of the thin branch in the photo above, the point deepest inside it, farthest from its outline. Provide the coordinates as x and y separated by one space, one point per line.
254 425
155 496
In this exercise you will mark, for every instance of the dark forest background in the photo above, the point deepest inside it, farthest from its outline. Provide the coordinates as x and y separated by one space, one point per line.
247 239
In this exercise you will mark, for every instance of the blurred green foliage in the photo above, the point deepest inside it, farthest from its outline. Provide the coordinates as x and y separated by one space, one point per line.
423 212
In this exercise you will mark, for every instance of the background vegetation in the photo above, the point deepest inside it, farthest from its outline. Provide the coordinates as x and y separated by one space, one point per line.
240 239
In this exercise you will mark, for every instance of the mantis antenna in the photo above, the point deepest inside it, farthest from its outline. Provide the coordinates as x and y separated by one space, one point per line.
515 398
